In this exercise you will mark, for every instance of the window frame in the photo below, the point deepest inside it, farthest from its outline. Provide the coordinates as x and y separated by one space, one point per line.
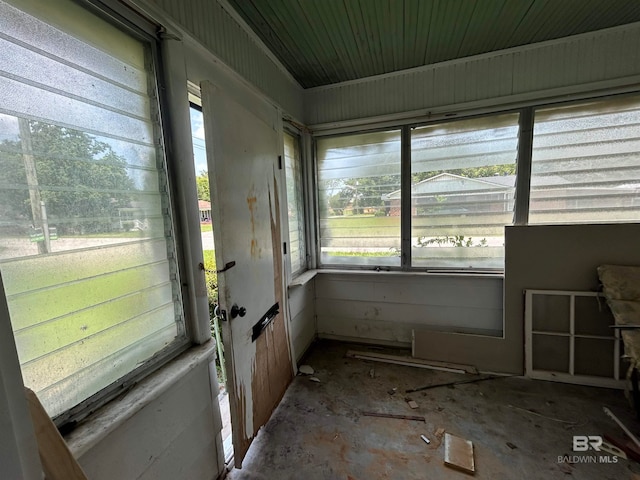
160 76
569 104
293 131
316 197
526 111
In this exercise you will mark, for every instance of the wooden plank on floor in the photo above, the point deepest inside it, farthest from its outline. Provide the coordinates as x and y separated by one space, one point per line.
391 415
458 453
412 362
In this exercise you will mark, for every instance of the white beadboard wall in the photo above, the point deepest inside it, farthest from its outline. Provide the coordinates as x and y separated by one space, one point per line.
302 326
385 307
582 63
209 23
176 436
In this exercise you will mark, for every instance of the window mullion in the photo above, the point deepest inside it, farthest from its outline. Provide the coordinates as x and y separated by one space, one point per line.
405 186
312 217
523 171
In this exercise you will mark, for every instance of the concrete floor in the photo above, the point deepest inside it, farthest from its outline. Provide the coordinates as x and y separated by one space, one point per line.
318 430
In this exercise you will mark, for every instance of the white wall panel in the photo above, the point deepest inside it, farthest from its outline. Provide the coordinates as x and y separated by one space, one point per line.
578 64
387 307
557 257
172 437
302 327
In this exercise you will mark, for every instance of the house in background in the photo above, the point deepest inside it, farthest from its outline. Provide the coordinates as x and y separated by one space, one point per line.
447 193
205 211
115 337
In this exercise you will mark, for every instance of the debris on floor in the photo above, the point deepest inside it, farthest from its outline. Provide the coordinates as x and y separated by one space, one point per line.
613 450
511 446
411 403
314 379
306 369
622 426
372 373
458 453
412 362
392 415
458 382
566 468
323 428
627 446
568 423
392 391
426 440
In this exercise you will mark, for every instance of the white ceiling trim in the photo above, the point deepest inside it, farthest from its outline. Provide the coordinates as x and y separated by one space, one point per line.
505 104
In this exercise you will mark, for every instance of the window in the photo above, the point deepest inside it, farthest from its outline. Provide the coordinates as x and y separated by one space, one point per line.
359 222
462 191
295 203
86 241
585 166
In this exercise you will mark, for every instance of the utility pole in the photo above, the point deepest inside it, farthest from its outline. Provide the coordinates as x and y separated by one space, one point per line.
38 210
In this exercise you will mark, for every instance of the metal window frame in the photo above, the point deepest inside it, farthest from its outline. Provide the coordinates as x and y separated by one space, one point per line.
405 199
144 30
316 200
295 132
526 111
405 175
523 168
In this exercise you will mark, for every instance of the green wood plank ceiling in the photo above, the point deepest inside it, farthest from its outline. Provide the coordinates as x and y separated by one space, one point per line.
323 42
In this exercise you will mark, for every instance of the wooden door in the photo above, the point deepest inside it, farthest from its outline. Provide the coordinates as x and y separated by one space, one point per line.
242 154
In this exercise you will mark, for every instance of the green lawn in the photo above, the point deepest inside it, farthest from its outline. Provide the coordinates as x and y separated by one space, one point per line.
361 225
206 227
211 275
390 253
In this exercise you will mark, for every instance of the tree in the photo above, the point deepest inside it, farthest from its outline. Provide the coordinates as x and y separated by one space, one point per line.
82 181
473 172
365 193
362 193
202 182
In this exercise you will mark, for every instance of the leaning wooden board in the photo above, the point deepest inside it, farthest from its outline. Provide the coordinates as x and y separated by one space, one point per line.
57 460
458 453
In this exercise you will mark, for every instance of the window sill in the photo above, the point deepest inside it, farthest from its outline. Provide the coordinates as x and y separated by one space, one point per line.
409 273
304 278
116 413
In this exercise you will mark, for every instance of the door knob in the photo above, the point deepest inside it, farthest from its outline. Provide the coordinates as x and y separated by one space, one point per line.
237 311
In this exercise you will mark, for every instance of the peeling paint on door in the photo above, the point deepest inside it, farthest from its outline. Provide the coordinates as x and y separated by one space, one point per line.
271 378
251 202
242 162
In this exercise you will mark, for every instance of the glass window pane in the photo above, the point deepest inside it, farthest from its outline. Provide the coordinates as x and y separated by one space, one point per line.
359 199
585 166
86 247
462 191
295 202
